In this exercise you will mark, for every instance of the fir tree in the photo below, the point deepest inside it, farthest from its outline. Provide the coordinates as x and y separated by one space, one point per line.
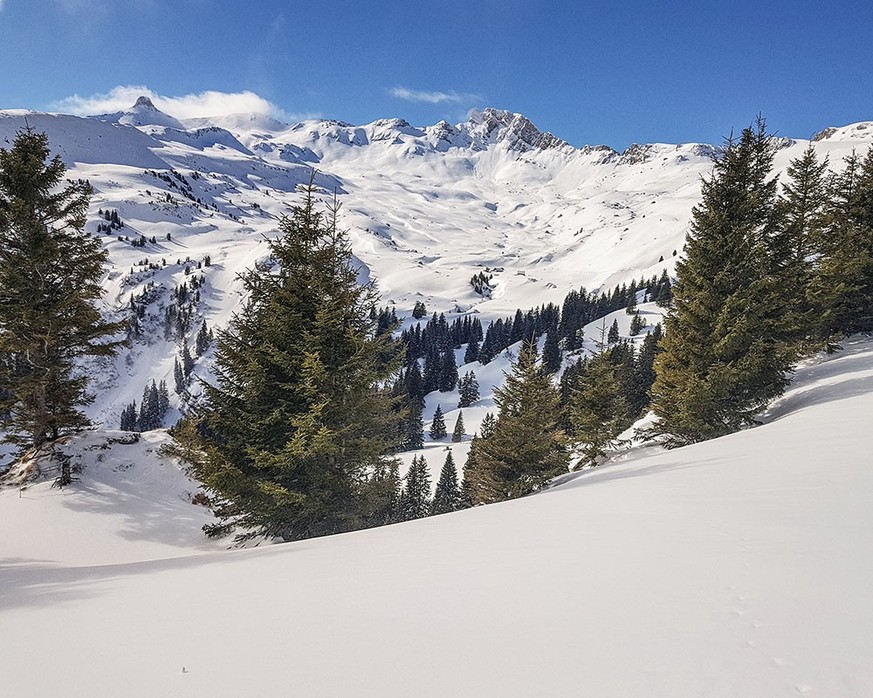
294 436
178 377
471 354
613 335
468 389
551 352
637 324
486 428
187 360
50 272
458 431
438 424
724 356
448 378
598 409
203 340
526 447
447 496
419 310
415 502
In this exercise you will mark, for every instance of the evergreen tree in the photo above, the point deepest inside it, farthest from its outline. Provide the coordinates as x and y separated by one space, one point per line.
419 310
415 502
294 436
448 378
438 424
525 448
468 389
447 496
129 416
724 356
458 431
187 360
841 287
203 340
50 272
637 324
551 352
613 335
598 410
471 354
802 208
489 423
178 377
413 436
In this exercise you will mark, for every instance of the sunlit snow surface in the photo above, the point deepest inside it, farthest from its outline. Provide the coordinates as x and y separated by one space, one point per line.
737 567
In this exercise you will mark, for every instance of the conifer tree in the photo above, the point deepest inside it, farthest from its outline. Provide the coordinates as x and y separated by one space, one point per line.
551 352
468 389
471 354
526 447
415 501
50 271
841 287
295 434
802 208
448 378
458 431
598 409
447 496
438 424
178 377
724 356
613 335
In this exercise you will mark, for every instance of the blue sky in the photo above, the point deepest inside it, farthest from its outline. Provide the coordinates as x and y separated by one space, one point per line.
608 72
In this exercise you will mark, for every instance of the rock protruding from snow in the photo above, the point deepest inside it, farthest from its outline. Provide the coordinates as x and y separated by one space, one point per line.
142 113
501 126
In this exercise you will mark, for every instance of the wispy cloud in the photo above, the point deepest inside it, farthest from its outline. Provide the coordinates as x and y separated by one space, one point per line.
1 5
208 103
431 97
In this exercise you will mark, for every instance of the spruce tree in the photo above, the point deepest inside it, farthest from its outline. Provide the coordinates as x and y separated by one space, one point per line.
613 335
447 496
294 435
437 424
50 272
471 354
598 409
468 390
448 377
415 501
458 431
551 352
841 287
525 448
724 354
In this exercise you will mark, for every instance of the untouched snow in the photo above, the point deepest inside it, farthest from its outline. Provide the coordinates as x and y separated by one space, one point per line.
737 567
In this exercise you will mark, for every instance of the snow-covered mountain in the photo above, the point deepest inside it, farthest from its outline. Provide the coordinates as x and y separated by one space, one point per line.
426 208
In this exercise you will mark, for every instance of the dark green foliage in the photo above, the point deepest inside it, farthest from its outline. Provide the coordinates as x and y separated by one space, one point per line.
458 431
724 356
468 389
637 324
525 448
437 424
613 335
448 377
295 435
471 354
180 384
419 310
50 272
551 352
598 408
203 340
841 287
415 502
447 496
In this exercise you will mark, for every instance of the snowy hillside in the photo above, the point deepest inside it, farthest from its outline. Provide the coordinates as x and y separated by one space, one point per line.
426 208
737 567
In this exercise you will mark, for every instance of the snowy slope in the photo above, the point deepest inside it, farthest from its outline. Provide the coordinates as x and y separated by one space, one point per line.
737 567
426 208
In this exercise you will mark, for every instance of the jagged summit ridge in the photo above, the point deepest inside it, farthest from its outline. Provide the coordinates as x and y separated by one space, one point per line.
519 132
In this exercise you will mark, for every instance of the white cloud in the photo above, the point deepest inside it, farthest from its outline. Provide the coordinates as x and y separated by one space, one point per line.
431 97
208 103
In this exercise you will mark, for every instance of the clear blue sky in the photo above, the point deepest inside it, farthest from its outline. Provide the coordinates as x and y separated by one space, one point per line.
609 72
